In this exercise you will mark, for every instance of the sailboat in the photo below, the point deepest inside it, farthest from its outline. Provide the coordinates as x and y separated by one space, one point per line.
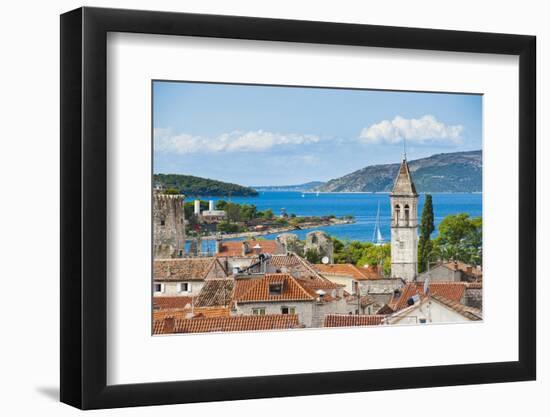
377 237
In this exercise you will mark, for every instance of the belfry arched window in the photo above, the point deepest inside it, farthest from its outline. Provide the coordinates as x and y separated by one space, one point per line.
407 211
397 213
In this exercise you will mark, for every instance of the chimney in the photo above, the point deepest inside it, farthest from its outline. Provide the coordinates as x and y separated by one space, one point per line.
169 324
455 265
246 248
211 205
469 269
197 207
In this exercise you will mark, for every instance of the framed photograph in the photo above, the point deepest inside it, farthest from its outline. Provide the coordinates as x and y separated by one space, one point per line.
261 208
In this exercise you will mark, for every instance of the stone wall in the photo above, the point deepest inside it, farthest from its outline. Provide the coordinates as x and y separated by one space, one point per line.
168 226
320 242
473 297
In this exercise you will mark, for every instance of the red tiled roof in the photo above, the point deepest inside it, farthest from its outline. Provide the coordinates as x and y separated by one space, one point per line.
465 268
172 302
453 291
340 269
330 289
348 320
350 270
372 272
178 313
471 313
186 269
257 289
211 311
256 247
227 324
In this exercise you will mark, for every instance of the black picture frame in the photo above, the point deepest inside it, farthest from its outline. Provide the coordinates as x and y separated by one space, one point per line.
84 207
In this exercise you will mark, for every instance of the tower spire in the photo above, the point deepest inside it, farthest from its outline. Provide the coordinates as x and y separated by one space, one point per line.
404 148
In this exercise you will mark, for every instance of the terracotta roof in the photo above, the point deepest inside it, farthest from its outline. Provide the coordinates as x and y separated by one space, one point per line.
211 312
215 292
189 312
453 291
289 263
349 270
172 302
178 313
330 289
464 268
257 289
385 309
340 269
404 184
226 324
348 320
471 313
255 247
186 269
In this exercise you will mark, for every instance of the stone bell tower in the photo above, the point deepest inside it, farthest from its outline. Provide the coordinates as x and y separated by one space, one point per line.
168 225
404 225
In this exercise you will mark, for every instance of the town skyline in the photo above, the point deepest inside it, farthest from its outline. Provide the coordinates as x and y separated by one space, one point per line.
245 134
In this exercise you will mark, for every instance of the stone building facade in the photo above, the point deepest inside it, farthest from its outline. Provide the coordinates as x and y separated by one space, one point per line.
404 226
168 225
320 242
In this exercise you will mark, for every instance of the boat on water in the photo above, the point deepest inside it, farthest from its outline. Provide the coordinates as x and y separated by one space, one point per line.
377 237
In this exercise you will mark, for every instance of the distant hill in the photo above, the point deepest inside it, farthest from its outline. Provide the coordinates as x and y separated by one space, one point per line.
445 172
190 185
298 187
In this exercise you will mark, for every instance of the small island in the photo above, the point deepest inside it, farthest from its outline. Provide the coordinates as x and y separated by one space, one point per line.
197 186
233 220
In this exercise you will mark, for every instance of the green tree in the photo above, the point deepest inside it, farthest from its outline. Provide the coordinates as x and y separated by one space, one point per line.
426 228
248 212
377 255
268 214
171 191
348 252
313 256
460 238
233 212
221 204
228 227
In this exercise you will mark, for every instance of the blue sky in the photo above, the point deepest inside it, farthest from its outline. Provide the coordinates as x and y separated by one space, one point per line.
262 135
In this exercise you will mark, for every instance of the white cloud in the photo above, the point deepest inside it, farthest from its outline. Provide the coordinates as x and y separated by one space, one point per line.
255 141
427 129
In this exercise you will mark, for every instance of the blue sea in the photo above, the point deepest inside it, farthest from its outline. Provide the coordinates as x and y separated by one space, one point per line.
363 206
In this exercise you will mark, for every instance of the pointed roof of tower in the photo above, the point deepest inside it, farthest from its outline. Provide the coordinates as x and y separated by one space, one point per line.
404 184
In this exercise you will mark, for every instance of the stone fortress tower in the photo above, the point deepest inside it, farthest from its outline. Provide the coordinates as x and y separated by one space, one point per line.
168 224
404 225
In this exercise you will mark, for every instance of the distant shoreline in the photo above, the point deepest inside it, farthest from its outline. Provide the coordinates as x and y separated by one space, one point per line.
284 229
362 192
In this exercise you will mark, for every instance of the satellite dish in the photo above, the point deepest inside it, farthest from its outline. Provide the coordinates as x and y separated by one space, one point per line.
325 260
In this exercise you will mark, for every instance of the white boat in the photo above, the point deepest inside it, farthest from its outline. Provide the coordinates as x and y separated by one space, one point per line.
377 237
